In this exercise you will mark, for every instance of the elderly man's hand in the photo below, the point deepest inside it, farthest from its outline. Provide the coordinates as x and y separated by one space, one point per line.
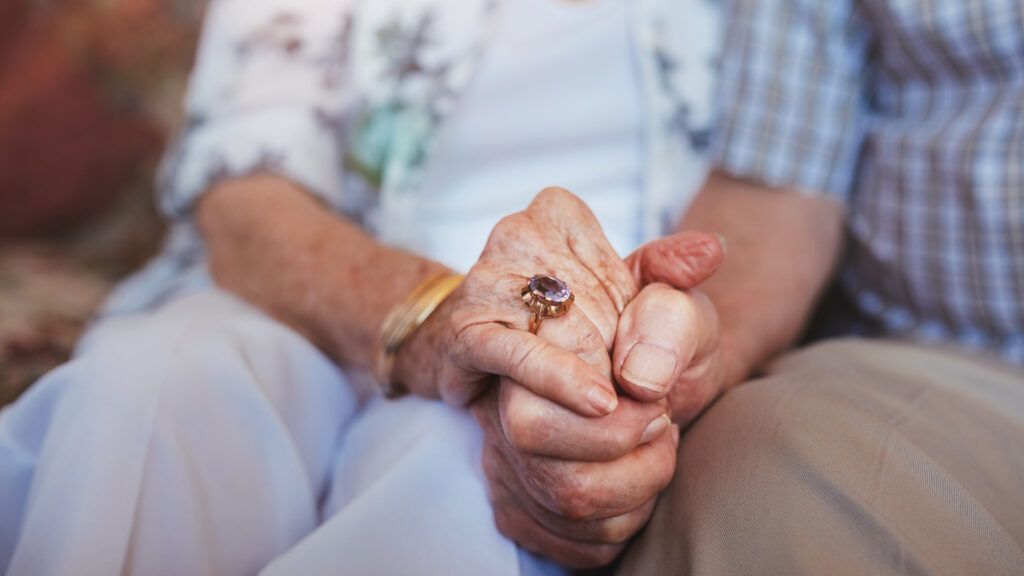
667 342
570 488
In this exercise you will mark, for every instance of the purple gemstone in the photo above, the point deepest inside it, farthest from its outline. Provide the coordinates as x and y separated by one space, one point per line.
551 289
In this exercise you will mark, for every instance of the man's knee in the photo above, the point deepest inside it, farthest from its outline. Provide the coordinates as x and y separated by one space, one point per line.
828 464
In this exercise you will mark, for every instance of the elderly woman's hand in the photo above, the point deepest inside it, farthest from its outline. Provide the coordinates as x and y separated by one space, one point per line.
480 331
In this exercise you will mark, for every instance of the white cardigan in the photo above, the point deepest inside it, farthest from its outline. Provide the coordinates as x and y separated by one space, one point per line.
345 98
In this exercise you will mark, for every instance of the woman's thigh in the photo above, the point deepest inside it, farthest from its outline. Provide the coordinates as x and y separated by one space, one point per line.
201 433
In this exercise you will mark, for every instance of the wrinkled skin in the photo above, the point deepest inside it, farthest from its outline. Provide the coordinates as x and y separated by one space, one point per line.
481 329
574 474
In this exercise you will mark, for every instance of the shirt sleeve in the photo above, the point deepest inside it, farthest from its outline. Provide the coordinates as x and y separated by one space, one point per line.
793 94
265 95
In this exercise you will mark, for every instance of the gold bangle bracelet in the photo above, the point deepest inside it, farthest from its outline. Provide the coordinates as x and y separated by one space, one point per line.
404 319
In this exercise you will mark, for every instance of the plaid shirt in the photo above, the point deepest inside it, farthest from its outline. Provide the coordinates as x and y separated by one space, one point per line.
912 111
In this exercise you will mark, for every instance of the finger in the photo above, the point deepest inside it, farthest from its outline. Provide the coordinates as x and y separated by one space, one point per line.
535 425
593 490
517 525
513 520
485 410
585 490
547 370
614 530
683 260
576 333
658 336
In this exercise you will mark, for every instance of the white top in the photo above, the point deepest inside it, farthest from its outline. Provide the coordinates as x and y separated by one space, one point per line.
608 98
556 101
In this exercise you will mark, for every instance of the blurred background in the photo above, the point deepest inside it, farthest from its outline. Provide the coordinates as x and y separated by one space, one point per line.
90 90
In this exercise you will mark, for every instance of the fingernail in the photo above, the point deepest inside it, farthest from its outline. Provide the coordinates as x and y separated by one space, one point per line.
602 399
655 429
723 243
650 367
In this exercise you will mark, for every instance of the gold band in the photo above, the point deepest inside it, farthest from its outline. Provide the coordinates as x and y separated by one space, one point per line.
404 319
535 319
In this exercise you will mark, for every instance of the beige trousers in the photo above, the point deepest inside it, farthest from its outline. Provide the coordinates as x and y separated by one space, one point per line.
850 458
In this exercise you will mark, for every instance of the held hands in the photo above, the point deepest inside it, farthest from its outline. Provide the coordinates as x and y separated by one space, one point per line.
576 489
574 469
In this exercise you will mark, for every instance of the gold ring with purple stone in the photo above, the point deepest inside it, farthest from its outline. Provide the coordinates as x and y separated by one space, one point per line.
546 297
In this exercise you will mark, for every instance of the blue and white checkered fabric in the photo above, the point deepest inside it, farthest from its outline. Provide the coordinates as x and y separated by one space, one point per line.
911 111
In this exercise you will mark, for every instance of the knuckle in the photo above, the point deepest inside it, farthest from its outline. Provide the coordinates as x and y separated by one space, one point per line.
624 429
621 529
508 223
479 280
556 196
605 555
520 356
503 520
572 499
554 193
508 229
589 339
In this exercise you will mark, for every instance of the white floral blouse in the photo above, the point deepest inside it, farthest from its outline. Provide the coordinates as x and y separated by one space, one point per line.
345 97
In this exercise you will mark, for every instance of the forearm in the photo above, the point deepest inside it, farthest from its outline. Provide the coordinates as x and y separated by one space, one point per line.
782 249
276 246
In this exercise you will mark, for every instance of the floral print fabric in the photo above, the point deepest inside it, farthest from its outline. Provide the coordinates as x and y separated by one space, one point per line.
345 98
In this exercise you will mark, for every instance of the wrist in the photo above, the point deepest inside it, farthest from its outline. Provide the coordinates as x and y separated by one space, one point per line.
414 365
350 303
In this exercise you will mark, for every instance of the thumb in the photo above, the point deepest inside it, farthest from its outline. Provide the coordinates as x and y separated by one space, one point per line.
657 337
682 260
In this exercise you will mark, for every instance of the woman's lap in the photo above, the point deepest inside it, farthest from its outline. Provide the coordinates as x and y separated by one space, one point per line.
204 438
407 492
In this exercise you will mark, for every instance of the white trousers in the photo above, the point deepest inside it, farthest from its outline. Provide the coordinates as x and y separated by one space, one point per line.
207 438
